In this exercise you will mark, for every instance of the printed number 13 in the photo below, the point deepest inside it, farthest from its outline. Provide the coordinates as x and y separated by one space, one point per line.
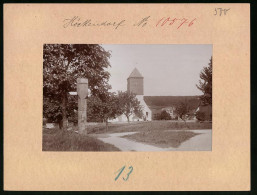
121 170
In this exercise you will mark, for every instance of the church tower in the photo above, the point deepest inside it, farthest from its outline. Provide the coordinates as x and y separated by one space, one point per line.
136 86
136 83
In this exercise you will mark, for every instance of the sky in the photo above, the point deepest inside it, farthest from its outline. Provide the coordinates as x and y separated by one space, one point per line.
168 70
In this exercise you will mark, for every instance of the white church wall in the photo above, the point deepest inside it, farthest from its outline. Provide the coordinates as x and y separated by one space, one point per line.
122 118
146 110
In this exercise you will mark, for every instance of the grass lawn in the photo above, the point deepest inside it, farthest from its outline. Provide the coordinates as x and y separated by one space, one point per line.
162 139
147 126
57 140
150 132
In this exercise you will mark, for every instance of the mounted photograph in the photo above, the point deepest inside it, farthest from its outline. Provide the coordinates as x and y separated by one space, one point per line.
127 97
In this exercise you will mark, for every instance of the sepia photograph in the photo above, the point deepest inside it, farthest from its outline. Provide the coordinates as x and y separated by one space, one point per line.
127 97
160 103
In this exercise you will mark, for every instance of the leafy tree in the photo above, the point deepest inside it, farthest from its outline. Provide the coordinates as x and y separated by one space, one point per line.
129 104
102 110
182 110
93 109
205 84
63 64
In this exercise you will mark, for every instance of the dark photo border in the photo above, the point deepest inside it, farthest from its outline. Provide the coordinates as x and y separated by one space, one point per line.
253 101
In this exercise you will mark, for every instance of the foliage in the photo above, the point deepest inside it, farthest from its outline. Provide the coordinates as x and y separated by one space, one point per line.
129 104
63 64
200 116
182 109
205 84
51 110
164 115
102 110
93 109
98 110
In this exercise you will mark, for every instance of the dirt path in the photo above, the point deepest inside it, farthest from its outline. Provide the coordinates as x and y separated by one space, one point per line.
201 142
126 145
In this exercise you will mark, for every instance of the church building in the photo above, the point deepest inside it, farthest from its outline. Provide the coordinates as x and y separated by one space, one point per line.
152 106
135 84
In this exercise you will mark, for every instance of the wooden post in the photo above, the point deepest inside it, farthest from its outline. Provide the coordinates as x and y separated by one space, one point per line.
82 91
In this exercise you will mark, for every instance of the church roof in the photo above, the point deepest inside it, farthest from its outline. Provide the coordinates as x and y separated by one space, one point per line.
158 102
135 74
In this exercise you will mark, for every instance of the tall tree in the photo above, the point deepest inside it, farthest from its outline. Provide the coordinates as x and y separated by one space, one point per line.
129 104
64 63
205 84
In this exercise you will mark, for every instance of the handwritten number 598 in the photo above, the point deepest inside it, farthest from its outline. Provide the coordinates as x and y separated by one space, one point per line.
120 172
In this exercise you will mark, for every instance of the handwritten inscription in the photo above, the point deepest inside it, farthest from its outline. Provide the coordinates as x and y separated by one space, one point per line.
77 22
220 11
142 22
126 175
175 21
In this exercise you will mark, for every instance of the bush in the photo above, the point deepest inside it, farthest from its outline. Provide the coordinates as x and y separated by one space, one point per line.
165 115
200 116
162 116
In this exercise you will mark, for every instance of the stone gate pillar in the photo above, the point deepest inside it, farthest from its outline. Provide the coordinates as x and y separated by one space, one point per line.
82 90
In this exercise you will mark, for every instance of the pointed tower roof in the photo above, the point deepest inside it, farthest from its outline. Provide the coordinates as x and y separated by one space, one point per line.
135 74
